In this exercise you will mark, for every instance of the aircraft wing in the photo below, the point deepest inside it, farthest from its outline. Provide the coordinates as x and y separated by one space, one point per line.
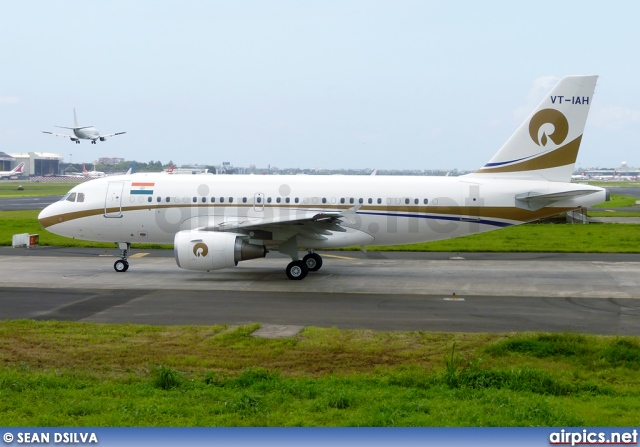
73 137
311 224
534 200
111 135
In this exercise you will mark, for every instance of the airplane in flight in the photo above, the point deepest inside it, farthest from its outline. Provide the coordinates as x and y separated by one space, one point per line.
15 171
83 132
216 221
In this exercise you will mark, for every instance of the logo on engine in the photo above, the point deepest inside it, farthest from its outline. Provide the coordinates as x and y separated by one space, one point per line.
553 117
200 249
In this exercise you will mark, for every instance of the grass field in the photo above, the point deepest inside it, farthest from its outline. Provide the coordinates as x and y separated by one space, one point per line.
10 189
83 374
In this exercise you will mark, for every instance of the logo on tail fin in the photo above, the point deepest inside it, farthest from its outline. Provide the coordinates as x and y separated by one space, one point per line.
553 117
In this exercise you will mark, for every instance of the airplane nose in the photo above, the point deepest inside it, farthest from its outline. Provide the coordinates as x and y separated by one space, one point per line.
46 217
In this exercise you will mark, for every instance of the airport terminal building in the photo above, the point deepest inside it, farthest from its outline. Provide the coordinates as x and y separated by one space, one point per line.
36 163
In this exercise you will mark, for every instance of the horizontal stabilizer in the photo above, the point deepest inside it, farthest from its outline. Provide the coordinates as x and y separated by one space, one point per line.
533 201
73 128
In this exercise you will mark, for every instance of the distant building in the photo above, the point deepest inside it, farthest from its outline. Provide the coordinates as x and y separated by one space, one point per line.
110 161
622 173
7 162
39 163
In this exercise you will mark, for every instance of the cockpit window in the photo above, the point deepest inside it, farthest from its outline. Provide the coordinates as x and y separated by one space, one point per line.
71 197
80 197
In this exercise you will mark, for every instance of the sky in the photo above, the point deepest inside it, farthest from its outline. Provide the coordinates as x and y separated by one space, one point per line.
312 84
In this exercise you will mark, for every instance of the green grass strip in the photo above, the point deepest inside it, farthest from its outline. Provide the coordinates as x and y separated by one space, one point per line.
85 374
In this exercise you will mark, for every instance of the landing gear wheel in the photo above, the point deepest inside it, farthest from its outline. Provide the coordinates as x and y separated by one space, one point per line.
121 266
313 261
297 270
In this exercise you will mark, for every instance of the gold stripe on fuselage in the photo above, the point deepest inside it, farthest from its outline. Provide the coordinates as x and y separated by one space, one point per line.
502 213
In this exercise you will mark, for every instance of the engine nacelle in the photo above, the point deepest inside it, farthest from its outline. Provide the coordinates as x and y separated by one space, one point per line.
103 138
208 250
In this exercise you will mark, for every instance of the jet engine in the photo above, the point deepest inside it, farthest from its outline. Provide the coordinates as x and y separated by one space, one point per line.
103 138
208 250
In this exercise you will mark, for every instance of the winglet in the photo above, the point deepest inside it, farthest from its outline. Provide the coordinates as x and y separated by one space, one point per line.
350 214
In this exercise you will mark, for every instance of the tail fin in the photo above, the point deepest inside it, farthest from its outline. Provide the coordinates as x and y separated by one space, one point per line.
546 145
18 169
75 119
84 170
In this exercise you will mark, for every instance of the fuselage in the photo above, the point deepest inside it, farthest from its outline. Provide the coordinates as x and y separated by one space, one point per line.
87 133
387 210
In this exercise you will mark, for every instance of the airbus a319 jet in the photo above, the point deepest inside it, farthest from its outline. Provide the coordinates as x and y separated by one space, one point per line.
216 221
82 132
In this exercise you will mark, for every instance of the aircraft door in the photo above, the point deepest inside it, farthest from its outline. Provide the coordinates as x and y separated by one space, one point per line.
258 202
113 200
471 209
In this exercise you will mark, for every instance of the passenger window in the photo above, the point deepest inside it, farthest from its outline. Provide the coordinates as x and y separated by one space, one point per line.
351 200
168 199
259 200
221 199
230 199
406 201
195 200
297 200
379 200
72 197
426 201
370 200
213 200
360 200
81 197
159 199
288 199
278 200
244 200
149 199
204 200
342 200
268 199
416 201
324 200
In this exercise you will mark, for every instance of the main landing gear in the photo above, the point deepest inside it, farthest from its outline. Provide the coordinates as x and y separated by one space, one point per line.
122 265
299 269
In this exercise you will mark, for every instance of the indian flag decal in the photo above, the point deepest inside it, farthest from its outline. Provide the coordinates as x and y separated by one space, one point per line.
142 188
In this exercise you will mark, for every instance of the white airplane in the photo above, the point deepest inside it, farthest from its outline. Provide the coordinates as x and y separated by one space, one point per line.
83 133
15 171
92 174
216 221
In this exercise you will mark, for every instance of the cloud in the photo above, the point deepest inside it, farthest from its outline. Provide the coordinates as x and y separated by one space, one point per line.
614 117
9 100
541 86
